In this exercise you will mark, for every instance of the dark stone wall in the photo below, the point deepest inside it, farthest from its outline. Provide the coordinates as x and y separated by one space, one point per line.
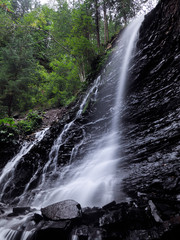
158 46
152 120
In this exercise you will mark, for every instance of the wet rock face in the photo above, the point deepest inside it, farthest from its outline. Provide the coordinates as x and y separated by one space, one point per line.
152 120
136 220
37 157
158 46
8 152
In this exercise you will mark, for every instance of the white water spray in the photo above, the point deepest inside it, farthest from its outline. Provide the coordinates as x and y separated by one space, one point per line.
128 40
92 181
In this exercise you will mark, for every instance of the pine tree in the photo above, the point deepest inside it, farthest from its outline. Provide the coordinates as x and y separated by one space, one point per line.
17 71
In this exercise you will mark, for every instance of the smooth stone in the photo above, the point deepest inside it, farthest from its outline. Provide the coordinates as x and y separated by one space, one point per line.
67 209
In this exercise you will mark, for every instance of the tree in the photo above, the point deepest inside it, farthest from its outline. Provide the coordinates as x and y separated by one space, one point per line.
126 9
39 24
17 71
80 44
96 3
46 54
75 41
106 32
20 7
6 22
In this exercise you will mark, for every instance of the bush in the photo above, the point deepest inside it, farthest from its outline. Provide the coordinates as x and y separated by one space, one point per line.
8 132
30 124
11 130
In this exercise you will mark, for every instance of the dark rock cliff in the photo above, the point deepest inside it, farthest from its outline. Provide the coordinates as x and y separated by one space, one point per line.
152 120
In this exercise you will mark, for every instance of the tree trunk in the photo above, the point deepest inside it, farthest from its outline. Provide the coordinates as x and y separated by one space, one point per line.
106 33
10 101
82 74
97 22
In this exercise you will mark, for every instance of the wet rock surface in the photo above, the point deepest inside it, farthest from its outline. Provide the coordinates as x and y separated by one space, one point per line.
137 220
152 119
38 156
9 151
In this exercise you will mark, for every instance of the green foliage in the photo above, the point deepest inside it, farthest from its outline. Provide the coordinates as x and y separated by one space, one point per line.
8 122
46 55
30 124
17 71
57 88
11 130
21 7
6 4
8 131
6 26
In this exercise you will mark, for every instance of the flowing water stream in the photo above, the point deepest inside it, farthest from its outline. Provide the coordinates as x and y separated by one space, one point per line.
92 181
92 177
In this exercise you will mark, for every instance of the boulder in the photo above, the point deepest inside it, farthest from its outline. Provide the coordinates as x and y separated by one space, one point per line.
68 209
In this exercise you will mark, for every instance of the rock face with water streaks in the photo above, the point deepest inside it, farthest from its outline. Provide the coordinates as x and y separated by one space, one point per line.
152 118
38 156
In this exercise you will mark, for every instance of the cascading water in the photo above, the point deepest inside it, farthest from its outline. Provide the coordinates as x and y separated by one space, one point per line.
92 177
91 181
6 225
8 171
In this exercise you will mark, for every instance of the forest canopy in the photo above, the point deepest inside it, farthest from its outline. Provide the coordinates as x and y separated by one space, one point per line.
48 53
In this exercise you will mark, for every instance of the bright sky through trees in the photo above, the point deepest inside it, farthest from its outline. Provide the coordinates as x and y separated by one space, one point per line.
150 2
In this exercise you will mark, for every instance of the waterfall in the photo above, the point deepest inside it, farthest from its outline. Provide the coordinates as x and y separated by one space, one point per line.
92 176
128 39
91 180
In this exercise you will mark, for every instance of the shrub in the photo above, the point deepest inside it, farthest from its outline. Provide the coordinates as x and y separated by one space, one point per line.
8 132
11 130
30 124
